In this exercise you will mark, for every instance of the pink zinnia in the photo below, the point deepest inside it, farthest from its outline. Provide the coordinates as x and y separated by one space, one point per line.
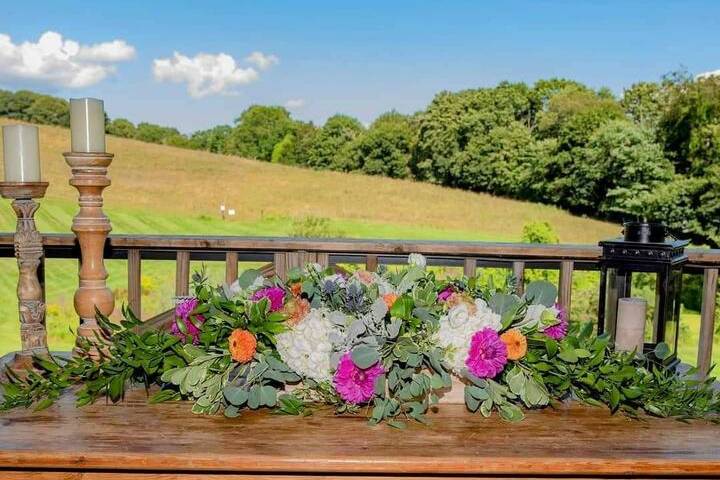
354 384
275 295
488 354
446 294
560 329
182 312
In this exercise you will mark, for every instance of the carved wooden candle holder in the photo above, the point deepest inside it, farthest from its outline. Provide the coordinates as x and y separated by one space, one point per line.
29 252
91 226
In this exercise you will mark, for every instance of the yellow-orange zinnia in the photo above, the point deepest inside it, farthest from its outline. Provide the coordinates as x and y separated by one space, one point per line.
389 299
516 344
242 345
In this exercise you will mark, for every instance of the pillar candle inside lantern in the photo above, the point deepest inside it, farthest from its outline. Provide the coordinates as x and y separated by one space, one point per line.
630 329
87 125
21 152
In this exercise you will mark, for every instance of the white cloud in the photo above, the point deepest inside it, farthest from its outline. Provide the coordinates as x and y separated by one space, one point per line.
210 74
262 61
60 62
115 51
295 104
205 74
713 73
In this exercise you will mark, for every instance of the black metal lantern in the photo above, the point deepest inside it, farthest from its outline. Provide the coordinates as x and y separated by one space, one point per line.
645 247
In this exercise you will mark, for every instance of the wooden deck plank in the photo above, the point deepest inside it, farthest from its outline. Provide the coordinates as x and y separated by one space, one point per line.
136 437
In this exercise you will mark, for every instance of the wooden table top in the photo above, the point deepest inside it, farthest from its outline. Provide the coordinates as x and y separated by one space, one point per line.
134 436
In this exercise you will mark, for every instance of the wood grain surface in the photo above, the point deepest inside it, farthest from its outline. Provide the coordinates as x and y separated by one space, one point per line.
136 440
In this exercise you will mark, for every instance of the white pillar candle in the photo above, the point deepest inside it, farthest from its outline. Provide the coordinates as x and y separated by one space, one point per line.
87 125
630 329
21 151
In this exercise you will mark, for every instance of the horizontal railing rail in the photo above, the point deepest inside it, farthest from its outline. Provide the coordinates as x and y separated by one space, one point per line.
281 254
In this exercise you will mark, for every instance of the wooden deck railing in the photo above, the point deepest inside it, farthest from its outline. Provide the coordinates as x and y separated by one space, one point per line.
282 254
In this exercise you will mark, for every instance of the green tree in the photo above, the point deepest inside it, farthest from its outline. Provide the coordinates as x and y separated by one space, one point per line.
18 105
258 130
453 120
644 102
689 125
573 114
149 132
294 148
121 127
503 162
49 111
213 140
338 131
384 149
615 172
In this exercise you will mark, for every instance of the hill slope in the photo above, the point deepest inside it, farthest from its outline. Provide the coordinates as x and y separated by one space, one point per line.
160 189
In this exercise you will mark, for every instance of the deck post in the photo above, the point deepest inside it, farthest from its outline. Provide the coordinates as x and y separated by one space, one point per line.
91 227
707 320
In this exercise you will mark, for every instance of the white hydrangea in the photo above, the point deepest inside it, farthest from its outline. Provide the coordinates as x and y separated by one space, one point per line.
417 260
306 348
458 326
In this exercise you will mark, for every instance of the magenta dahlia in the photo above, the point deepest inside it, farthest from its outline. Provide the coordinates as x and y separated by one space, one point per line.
560 329
354 384
275 295
182 312
487 355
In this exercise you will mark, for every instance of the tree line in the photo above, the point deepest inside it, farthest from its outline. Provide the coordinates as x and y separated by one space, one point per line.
652 153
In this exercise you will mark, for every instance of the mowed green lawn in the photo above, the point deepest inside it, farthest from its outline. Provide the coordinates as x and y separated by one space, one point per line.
164 190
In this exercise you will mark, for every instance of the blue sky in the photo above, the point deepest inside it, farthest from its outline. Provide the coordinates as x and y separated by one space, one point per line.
360 58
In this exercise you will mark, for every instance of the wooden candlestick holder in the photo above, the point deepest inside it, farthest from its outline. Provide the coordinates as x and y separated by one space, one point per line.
91 226
29 252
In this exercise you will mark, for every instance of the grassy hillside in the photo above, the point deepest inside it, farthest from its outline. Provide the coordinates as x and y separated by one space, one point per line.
162 189
159 189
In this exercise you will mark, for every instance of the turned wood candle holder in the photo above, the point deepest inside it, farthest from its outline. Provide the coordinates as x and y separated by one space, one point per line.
29 252
91 227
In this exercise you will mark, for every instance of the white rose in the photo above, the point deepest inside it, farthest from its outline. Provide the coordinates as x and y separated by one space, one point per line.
458 315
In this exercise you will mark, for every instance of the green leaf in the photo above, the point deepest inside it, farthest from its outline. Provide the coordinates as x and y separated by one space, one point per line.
254 397
471 402
235 395
364 356
541 292
568 355
511 413
403 307
516 381
268 395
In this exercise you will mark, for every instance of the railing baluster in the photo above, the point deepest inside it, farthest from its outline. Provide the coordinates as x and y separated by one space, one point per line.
231 267
565 294
134 281
519 273
182 273
280 262
371 263
470 267
707 320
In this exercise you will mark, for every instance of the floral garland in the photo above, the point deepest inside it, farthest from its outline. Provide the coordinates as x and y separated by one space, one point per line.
388 341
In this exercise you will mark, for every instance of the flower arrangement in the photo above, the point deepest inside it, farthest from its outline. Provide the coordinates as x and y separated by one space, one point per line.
385 342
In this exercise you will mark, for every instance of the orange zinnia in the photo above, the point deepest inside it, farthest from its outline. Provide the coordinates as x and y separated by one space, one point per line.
296 288
389 299
242 345
516 344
